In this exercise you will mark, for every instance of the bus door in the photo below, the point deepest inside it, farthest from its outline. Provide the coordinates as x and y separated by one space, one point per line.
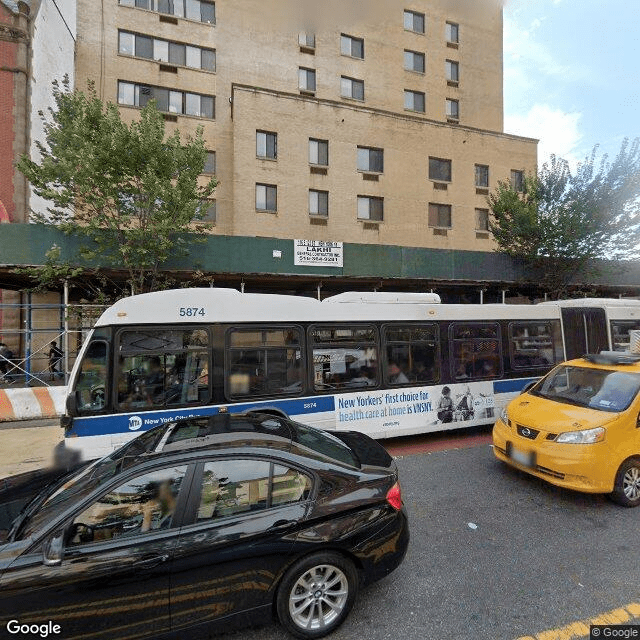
585 331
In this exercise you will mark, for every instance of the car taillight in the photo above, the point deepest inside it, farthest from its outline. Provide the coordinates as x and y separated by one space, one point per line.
394 496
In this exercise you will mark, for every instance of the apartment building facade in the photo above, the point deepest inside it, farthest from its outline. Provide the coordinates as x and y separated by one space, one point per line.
376 123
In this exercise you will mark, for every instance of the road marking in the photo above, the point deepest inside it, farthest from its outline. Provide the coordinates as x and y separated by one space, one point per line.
580 629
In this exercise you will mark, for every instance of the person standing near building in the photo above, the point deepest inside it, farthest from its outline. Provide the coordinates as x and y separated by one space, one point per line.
55 357
6 357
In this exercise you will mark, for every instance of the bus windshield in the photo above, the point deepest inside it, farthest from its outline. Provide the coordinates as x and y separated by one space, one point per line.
601 389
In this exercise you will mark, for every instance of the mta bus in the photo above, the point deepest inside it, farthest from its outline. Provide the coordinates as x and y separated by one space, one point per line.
385 364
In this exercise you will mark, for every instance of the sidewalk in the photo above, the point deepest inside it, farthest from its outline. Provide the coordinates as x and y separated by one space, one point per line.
27 445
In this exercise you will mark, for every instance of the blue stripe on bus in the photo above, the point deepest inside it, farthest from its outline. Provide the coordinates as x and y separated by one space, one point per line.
144 420
509 386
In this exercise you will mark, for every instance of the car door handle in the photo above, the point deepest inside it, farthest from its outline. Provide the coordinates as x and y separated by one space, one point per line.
153 561
282 524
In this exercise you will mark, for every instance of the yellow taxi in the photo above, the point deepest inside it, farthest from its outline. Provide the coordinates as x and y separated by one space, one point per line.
579 427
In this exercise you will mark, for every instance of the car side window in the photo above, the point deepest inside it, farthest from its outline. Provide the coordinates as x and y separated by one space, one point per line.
142 504
231 487
289 485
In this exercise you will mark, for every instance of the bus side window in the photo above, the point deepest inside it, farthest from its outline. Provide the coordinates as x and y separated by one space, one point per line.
344 357
162 367
475 350
265 361
620 333
534 344
92 379
415 350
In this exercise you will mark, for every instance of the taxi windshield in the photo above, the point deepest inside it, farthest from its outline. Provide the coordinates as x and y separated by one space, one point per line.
601 389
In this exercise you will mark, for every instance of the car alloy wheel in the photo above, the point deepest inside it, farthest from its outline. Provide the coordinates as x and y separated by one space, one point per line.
316 594
631 483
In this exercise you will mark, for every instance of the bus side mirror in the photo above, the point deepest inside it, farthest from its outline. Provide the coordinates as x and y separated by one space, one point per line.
72 404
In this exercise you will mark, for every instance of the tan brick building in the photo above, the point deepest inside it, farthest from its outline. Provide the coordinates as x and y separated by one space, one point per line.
368 122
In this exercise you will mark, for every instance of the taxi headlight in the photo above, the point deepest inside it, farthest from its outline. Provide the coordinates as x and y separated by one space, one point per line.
587 436
504 416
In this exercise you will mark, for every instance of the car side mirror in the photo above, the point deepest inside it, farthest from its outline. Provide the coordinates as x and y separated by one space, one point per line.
638 422
53 550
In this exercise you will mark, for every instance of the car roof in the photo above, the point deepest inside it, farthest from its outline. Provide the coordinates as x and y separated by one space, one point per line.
227 431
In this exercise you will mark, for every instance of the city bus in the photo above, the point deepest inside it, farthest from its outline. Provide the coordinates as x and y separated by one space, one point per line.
385 364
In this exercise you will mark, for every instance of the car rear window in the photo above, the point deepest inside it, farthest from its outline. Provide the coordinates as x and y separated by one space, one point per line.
324 443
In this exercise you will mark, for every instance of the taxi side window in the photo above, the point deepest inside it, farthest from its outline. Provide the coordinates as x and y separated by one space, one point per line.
145 503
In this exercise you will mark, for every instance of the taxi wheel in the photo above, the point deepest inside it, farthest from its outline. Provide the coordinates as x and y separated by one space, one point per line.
626 491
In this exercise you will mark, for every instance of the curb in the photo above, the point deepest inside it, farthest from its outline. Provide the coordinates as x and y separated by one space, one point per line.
32 402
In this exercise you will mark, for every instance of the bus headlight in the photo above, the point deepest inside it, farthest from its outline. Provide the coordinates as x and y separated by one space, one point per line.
587 436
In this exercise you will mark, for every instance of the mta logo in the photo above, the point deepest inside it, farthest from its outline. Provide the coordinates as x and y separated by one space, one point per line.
135 422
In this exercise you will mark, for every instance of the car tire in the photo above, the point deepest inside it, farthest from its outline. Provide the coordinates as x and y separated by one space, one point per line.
316 594
626 491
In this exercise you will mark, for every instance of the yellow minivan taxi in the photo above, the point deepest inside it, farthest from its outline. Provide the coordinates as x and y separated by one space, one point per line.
578 427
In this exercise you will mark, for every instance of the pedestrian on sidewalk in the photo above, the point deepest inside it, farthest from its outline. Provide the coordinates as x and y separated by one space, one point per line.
6 364
55 357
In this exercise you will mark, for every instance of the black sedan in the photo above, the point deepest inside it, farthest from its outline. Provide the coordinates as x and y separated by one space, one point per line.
206 522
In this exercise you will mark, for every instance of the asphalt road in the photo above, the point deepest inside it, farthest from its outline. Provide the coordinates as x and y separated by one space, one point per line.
536 557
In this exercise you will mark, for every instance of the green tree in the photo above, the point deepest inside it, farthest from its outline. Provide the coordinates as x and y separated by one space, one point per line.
130 189
565 223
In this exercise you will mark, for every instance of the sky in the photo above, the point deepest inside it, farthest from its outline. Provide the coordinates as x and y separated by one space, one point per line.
572 74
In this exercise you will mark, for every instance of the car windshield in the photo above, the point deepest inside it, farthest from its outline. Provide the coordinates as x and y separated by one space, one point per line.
76 487
602 389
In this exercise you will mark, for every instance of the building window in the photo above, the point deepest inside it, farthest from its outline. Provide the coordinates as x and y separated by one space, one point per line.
266 197
452 32
482 219
306 79
350 46
370 208
351 88
207 210
482 176
266 145
370 159
209 163
414 101
167 100
414 61
439 170
199 10
414 21
318 203
453 109
307 40
440 215
319 152
165 51
453 71
517 180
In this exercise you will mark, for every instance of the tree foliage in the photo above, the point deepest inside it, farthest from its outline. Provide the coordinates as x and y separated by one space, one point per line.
131 190
565 222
